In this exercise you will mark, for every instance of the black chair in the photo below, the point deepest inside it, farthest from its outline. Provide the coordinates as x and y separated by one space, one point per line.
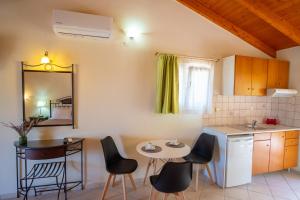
202 154
174 178
116 165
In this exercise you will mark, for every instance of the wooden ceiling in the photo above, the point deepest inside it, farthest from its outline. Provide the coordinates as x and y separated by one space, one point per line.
268 25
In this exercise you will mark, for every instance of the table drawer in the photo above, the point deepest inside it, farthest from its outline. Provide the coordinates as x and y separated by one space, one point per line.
291 134
262 136
290 142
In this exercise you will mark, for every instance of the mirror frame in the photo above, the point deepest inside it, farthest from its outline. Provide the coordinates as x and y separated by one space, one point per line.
53 69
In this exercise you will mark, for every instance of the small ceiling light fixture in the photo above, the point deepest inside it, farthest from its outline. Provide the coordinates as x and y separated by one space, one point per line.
45 59
133 32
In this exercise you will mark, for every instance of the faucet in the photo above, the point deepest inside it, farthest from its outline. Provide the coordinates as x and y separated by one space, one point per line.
253 124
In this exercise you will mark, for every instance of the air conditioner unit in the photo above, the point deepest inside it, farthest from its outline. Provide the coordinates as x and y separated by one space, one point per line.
81 24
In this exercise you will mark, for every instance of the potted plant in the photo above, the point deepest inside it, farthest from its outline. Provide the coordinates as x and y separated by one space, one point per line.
23 129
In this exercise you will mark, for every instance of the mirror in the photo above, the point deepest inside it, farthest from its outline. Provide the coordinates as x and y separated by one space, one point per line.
48 96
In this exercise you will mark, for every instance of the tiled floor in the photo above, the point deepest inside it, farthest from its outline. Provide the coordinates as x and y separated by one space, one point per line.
280 185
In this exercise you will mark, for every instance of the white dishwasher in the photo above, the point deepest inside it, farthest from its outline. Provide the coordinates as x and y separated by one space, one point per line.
239 160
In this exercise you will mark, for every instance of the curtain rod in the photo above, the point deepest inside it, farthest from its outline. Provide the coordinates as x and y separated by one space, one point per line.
192 57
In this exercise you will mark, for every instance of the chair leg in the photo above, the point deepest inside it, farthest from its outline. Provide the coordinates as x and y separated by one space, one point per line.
147 170
176 196
132 181
114 180
154 166
105 189
151 193
165 196
181 195
209 174
197 177
124 188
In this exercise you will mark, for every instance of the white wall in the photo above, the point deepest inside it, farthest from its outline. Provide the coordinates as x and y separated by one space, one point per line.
115 79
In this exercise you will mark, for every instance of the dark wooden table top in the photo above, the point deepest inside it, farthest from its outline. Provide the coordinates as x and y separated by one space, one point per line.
44 144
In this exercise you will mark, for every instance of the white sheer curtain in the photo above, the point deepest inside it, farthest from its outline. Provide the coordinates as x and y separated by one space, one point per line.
196 86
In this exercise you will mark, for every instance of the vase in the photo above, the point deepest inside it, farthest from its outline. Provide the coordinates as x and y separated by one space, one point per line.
23 140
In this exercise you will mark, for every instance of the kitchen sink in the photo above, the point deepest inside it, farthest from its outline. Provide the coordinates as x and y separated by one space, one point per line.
247 127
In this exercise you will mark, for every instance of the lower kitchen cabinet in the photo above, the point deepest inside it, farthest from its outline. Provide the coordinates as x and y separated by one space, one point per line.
291 149
275 151
261 156
291 156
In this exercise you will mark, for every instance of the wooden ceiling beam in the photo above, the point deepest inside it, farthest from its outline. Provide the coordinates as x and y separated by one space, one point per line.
229 26
272 19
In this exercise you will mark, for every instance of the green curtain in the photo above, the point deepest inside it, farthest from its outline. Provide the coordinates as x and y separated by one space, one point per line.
167 86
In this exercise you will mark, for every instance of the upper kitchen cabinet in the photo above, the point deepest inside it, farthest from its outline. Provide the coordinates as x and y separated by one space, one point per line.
278 74
245 76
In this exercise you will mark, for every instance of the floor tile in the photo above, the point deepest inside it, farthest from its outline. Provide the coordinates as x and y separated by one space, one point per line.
277 186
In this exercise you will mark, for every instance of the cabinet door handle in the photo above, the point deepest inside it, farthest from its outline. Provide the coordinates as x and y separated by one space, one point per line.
248 88
267 145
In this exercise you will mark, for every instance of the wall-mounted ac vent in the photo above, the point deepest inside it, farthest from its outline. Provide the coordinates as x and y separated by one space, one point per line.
81 25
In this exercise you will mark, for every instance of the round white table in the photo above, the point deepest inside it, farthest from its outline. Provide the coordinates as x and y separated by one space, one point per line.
166 154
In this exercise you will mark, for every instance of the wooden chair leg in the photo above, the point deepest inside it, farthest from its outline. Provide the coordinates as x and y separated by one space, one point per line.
154 166
124 188
165 196
105 189
114 180
176 196
147 170
181 195
153 194
132 181
197 177
209 174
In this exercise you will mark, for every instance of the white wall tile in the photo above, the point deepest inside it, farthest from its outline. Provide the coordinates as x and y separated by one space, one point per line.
231 99
298 100
283 100
297 115
274 100
297 108
225 99
297 122
237 99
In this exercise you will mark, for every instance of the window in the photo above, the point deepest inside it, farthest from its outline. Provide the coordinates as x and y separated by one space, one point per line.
196 86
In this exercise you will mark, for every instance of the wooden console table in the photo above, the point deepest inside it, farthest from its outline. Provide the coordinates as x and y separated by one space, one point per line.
44 150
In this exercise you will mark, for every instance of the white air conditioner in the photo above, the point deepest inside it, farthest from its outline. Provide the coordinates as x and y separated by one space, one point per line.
81 24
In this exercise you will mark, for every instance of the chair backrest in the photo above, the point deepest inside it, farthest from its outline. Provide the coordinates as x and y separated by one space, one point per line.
174 177
110 151
204 146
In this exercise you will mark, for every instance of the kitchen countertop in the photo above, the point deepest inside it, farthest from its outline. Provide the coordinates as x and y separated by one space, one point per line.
231 130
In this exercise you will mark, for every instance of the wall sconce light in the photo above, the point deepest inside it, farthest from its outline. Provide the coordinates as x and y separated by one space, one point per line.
46 64
45 59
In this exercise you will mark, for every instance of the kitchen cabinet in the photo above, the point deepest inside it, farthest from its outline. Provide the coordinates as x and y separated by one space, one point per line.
277 151
291 149
249 76
261 156
245 76
242 77
278 74
259 77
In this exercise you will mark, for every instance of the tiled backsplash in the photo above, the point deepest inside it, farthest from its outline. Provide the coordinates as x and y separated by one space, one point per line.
229 110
